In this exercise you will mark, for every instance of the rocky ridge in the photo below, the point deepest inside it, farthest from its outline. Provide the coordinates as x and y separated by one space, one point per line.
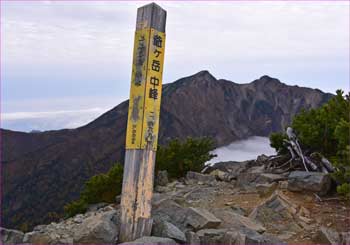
217 207
49 169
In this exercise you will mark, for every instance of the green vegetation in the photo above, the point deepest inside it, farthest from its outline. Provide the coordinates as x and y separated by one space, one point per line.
276 141
326 130
179 157
100 188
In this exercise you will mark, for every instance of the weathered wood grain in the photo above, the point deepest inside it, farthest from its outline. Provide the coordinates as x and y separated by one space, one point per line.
137 193
138 177
151 16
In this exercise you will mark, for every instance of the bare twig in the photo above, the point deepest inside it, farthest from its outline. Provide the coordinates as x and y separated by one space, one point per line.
318 197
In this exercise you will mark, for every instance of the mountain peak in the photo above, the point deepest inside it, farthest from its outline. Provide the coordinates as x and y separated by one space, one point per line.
204 74
266 77
267 80
194 106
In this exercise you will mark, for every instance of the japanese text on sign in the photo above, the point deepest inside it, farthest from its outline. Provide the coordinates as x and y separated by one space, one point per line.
146 89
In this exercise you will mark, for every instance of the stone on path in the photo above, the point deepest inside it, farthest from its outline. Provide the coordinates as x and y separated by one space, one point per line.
199 218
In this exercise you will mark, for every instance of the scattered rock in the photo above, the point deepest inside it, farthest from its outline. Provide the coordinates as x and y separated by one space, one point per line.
234 237
9 236
220 175
151 240
162 178
211 236
237 209
283 185
79 218
167 229
262 159
180 186
256 175
265 190
192 238
232 166
168 210
230 219
162 189
199 218
270 178
304 212
47 238
193 177
96 206
98 228
277 213
309 181
345 238
327 236
231 237
305 220
252 237
249 175
92 227
201 210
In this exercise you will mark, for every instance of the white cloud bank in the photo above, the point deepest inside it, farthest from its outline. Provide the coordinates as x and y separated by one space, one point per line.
49 120
243 150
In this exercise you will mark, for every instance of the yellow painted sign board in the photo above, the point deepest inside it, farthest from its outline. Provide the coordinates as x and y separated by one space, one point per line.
146 89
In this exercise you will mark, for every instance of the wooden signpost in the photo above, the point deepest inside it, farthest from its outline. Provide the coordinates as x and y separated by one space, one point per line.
143 123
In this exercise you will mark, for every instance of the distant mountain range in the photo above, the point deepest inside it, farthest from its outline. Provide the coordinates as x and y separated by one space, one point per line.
43 171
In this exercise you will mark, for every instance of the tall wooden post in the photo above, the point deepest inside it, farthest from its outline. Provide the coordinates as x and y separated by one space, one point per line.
143 123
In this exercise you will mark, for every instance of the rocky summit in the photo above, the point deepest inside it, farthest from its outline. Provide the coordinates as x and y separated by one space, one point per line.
49 169
219 207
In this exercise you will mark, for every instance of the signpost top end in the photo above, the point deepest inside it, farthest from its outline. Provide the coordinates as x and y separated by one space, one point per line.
151 16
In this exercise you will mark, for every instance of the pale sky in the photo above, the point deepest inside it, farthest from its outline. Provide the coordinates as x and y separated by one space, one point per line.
65 63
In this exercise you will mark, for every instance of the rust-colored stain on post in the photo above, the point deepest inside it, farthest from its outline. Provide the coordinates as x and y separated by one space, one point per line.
143 123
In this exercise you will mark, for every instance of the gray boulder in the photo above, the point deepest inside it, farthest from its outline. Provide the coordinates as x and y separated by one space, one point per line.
278 213
330 236
211 236
237 209
267 189
261 159
199 218
151 240
194 177
99 228
252 237
167 229
232 166
248 177
309 181
9 236
327 236
271 178
256 175
221 175
45 237
167 210
162 178
232 220
97 206
234 236
192 238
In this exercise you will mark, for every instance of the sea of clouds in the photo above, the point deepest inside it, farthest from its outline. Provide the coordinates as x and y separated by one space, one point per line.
243 150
